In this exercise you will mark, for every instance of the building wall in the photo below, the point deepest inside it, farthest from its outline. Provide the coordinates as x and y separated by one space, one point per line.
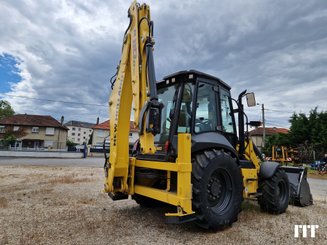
100 134
258 141
55 139
79 135
133 136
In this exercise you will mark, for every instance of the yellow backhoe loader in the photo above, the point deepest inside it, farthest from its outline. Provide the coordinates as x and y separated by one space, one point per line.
188 154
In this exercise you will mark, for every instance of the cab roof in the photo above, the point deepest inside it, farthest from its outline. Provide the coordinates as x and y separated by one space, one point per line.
191 74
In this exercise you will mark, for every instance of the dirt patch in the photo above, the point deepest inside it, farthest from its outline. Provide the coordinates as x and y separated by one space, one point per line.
3 202
66 205
67 180
316 175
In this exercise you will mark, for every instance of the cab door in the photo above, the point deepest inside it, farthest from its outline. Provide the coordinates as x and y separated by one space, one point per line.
227 116
206 118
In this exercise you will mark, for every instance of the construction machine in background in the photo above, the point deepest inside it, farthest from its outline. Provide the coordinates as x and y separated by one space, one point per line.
284 155
188 154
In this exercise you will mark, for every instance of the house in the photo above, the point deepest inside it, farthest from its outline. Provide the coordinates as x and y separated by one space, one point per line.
79 132
101 132
34 132
257 134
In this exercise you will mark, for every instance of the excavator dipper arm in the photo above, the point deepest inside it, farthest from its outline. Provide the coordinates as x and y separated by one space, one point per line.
135 85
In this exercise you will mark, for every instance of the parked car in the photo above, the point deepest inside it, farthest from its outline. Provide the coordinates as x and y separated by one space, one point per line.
317 164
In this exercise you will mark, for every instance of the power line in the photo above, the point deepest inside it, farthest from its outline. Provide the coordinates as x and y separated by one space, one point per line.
271 123
273 110
60 101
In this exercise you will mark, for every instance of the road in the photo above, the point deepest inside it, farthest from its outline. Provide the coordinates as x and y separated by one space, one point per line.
318 186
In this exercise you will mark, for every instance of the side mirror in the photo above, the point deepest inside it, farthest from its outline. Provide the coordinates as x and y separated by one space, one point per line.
250 99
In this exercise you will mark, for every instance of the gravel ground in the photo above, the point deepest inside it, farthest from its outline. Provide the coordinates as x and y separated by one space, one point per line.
72 162
66 205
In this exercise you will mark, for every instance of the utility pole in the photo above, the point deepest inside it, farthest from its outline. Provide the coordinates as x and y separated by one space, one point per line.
263 125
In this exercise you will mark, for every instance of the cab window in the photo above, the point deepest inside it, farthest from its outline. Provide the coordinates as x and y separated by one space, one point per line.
226 112
206 114
185 112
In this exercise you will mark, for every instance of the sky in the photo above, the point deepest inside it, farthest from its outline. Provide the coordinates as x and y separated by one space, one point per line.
57 56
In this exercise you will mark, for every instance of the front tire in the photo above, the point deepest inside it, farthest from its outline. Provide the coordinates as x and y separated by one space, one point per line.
275 193
217 189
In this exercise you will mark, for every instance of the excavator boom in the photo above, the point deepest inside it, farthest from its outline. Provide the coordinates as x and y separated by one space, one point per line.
135 84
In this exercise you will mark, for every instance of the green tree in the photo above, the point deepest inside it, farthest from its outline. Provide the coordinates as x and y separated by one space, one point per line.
10 135
5 109
309 133
70 143
275 140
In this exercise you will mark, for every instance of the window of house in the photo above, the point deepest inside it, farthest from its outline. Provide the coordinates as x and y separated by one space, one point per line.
84 137
16 128
35 130
73 129
79 129
49 131
130 134
79 134
78 139
2 129
73 134
48 143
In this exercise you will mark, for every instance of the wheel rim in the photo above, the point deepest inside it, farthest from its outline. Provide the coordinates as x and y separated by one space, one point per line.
281 192
219 190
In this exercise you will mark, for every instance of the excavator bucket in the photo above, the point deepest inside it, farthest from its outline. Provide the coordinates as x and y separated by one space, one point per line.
300 194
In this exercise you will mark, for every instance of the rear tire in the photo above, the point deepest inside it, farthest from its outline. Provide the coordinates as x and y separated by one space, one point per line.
217 189
275 193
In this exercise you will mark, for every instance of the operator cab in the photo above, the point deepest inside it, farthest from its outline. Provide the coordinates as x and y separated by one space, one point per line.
199 104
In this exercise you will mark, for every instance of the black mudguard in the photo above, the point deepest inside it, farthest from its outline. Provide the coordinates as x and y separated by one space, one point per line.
268 169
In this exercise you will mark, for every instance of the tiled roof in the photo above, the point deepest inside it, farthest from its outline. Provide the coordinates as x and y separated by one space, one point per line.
106 126
79 124
32 120
268 131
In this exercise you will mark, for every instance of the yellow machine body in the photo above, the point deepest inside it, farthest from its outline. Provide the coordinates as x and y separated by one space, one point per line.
131 89
131 94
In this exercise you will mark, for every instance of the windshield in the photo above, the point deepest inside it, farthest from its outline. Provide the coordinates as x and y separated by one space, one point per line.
166 97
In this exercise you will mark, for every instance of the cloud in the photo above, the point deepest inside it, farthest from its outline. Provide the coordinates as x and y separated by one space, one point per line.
69 49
